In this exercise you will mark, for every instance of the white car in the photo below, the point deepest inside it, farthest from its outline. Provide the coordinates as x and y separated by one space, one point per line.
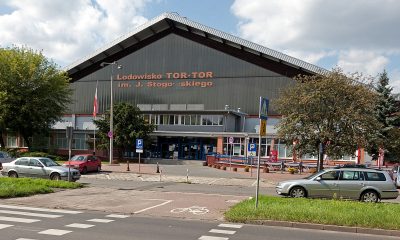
38 167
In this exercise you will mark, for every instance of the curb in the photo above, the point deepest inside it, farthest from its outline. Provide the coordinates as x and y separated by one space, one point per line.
373 231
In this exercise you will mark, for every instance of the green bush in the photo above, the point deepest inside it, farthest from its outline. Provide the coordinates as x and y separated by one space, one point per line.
42 154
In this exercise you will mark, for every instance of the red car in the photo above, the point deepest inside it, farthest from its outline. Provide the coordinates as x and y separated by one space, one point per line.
84 163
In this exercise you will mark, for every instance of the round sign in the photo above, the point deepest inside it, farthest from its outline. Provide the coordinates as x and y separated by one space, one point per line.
110 134
230 139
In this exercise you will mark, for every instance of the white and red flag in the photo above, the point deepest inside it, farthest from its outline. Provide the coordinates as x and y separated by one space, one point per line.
95 103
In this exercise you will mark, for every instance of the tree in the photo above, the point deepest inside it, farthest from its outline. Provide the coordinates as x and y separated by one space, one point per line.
34 93
331 109
129 125
386 112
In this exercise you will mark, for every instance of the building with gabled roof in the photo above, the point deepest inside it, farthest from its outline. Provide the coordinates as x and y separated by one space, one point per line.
198 85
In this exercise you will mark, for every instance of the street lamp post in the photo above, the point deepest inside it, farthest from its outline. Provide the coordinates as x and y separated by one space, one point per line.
111 132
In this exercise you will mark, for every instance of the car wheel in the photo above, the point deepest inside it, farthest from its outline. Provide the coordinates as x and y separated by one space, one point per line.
369 196
55 177
98 168
297 192
13 174
84 170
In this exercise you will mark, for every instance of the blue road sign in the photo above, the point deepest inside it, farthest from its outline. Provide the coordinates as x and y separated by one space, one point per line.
139 143
263 112
252 147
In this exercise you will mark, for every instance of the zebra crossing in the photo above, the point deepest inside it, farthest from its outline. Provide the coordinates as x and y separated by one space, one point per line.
224 229
13 215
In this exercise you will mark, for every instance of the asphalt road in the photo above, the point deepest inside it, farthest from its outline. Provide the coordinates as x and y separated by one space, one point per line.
45 224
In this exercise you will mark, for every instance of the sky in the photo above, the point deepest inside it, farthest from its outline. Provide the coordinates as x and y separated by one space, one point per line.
357 35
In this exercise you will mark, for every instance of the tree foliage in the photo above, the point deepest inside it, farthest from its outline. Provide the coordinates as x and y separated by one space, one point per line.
333 109
386 112
34 93
129 125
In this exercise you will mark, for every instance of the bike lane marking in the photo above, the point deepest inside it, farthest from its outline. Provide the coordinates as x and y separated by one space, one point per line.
158 205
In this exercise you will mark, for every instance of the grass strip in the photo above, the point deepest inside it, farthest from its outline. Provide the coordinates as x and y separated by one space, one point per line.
319 211
22 187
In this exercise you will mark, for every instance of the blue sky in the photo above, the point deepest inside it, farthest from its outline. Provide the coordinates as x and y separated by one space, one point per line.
357 35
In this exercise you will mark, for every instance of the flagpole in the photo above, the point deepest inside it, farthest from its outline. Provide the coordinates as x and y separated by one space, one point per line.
95 111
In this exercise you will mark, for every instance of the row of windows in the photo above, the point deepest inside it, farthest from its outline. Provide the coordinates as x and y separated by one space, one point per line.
237 148
79 141
353 176
202 120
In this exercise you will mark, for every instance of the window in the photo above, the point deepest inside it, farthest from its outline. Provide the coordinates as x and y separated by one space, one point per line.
351 176
80 141
34 163
11 140
146 118
22 162
331 175
61 141
187 120
375 176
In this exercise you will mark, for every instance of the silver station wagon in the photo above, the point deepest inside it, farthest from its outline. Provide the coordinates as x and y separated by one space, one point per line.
364 184
38 167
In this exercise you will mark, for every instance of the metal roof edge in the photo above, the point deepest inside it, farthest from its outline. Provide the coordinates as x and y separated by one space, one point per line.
209 30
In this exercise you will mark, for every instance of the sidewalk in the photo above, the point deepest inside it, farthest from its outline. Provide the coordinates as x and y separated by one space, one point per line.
190 172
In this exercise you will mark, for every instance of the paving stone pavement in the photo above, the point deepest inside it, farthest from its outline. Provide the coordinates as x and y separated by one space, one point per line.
198 175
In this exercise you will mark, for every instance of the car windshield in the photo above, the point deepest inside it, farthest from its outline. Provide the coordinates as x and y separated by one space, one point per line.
78 158
48 162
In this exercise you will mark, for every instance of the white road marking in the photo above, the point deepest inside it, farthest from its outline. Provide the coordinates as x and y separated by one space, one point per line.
158 205
213 181
39 209
232 201
117 216
100 220
222 231
212 238
30 214
79 225
254 183
24 239
54 232
20 220
230 225
2 226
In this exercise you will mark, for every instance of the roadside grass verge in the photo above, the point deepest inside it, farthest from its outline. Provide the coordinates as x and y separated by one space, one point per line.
22 187
319 211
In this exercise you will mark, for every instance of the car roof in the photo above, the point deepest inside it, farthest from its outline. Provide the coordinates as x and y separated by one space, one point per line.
357 169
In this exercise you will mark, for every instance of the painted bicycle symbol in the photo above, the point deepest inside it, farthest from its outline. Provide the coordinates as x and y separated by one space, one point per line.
193 209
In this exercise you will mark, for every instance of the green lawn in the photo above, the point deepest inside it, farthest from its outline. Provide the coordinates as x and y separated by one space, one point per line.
331 212
22 187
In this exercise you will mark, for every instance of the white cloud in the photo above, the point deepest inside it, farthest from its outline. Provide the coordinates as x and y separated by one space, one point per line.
362 35
368 62
68 30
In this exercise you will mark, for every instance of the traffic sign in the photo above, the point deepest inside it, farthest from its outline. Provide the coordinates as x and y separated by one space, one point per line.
263 127
231 140
263 111
251 149
139 145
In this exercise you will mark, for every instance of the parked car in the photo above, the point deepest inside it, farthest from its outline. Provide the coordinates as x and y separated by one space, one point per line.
5 157
396 175
84 163
38 167
364 184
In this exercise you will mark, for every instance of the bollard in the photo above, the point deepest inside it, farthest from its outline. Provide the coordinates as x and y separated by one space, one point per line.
187 175
160 175
158 168
127 167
